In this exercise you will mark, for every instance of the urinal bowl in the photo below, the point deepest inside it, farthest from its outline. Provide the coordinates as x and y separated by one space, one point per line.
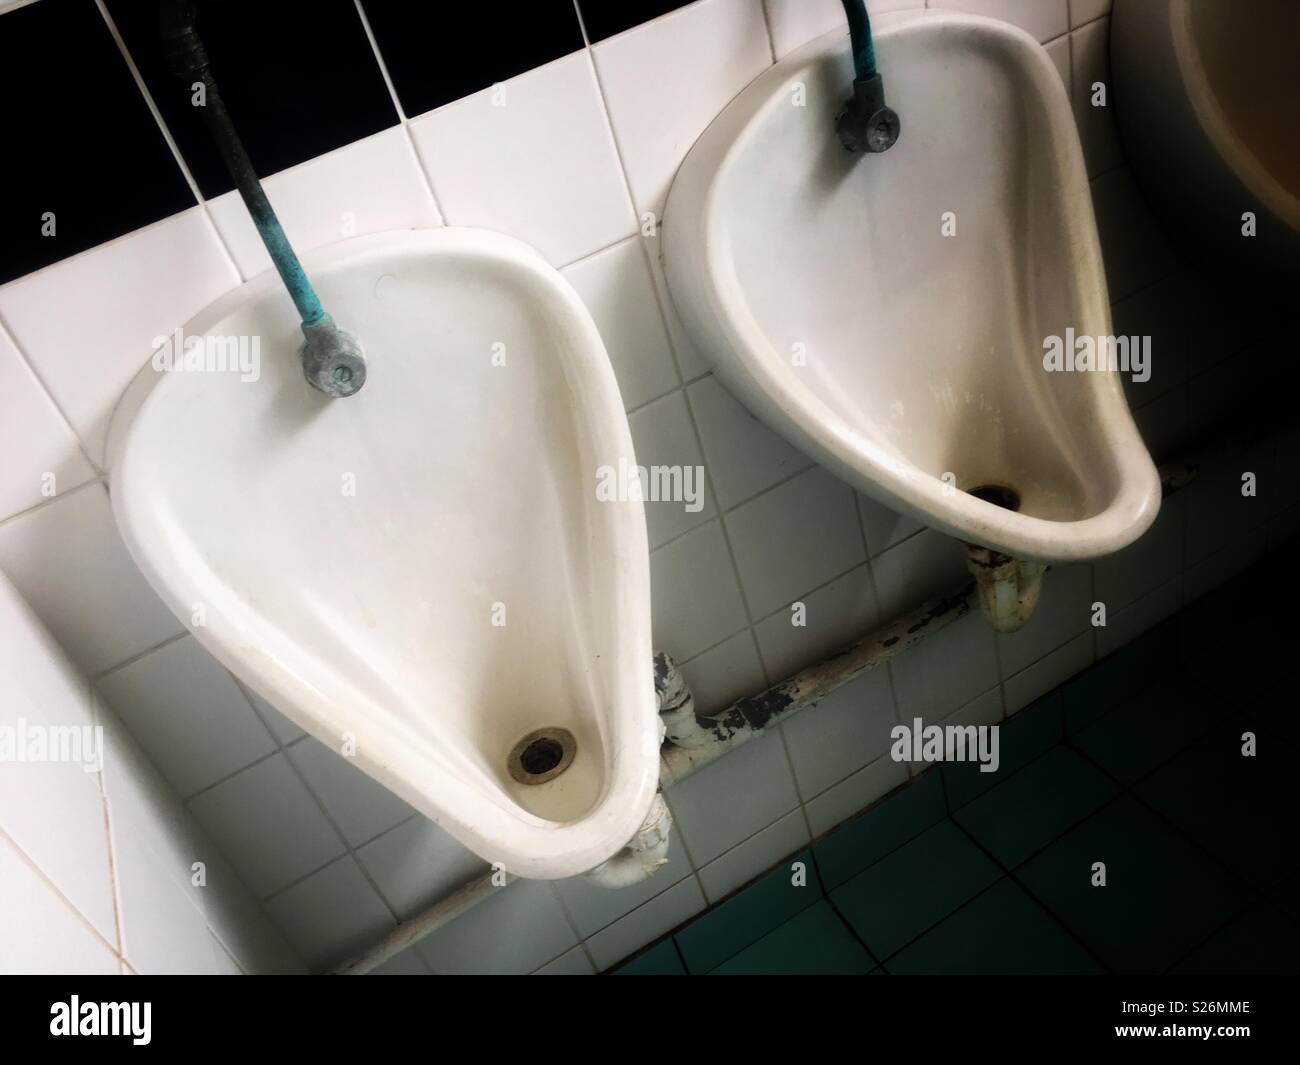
888 314
420 575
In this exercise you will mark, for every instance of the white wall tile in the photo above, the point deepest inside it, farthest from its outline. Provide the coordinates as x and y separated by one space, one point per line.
1155 558
516 930
1059 51
164 932
857 792
572 963
919 568
242 925
188 713
616 286
760 852
369 186
665 81
36 441
1128 624
882 527
1090 59
841 733
360 806
739 795
281 727
662 435
946 670
1135 249
1044 19
41 933
723 674
542 167
68 561
799 535
835 616
695 598
88 351
646 923
592 908
266 821
407 963
331 915
796 22
1064 610
417 863
1082 11
1047 672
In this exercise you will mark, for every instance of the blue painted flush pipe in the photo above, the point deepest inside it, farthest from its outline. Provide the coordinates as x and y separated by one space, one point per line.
866 123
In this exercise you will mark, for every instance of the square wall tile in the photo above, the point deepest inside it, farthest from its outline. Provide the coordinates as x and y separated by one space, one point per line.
1134 247
921 567
175 268
760 852
882 527
269 825
1048 673
696 600
725 673
533 158
663 437
841 733
366 187
854 794
832 618
332 915
571 963
43 456
946 670
1044 19
188 714
1094 97
417 863
592 908
646 923
1064 610
68 561
361 806
796 22
514 931
800 535
164 931
664 82
1082 11
617 288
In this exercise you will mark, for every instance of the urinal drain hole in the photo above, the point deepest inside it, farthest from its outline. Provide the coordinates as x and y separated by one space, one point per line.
542 755
997 494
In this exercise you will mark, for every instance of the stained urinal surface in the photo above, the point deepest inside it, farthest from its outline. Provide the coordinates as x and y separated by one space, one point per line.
888 313
421 571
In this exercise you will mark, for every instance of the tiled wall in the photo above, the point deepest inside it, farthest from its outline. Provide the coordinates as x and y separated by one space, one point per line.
384 118
101 869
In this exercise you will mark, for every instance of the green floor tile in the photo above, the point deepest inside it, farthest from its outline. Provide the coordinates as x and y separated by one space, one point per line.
866 839
1262 940
1279 711
917 886
814 943
1026 736
1139 735
1243 810
1163 895
1121 676
746 917
661 960
1025 813
1000 932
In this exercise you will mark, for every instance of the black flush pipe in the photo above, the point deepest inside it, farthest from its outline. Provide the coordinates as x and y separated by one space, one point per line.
866 124
331 359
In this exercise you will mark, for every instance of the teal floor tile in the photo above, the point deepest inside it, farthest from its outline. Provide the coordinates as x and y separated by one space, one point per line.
1026 736
1239 664
660 960
1278 710
868 838
1162 897
917 886
1025 813
746 917
1139 735
1118 678
1000 932
1244 810
813 943
1262 940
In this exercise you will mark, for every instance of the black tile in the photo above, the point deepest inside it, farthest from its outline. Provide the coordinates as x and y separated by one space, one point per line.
437 53
299 78
79 140
604 18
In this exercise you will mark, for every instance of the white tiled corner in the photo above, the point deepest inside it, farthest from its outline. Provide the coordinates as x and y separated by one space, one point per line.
42 456
592 908
418 863
1094 97
760 852
68 561
841 733
188 714
666 80
86 354
360 806
838 804
833 618
1043 19
646 923
1059 52
796 22
695 598
745 457
737 796
164 931
616 286
41 933
514 931
800 535
241 924
1048 672
533 158
725 673
946 670
369 186
269 825
1083 11
1064 610
690 360
331 915
662 435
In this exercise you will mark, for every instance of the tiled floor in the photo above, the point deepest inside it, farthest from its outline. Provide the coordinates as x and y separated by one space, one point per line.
1164 769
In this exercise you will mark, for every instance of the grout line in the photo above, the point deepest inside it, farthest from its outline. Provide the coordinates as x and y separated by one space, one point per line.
99 478
115 883
137 657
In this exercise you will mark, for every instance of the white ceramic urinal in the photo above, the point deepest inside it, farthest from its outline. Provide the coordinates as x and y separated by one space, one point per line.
1207 96
421 572
890 314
